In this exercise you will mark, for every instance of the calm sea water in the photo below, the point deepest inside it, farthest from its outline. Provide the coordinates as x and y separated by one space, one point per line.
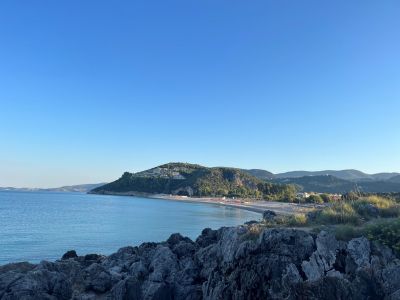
44 225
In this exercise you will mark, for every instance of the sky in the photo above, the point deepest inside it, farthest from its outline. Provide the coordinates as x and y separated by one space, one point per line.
90 89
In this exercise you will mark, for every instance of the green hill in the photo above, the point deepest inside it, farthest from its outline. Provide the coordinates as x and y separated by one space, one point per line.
198 181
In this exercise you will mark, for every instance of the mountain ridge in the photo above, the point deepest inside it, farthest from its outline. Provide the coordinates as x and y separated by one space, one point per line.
186 179
347 174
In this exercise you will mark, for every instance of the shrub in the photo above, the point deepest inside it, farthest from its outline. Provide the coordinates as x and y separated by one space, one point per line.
379 202
317 199
346 232
350 196
326 198
385 207
297 220
253 233
386 232
337 213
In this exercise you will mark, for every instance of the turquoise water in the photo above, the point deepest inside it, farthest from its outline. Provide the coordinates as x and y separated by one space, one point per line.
43 225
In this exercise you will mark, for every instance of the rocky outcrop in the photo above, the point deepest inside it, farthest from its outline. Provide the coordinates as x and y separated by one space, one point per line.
229 263
269 215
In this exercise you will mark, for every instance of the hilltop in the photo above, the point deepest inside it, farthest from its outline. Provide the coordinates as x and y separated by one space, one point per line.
194 180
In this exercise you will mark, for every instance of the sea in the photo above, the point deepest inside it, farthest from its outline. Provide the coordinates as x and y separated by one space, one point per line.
36 226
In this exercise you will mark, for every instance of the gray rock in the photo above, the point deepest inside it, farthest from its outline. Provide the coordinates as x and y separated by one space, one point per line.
69 254
98 278
221 264
207 237
390 278
269 215
360 252
138 270
322 260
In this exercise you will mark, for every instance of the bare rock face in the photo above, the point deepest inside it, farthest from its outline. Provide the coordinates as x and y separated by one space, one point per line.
228 263
322 260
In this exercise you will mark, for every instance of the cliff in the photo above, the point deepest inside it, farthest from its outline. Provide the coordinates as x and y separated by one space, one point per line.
229 263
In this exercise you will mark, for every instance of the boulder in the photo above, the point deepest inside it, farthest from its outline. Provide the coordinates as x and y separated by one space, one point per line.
269 215
69 254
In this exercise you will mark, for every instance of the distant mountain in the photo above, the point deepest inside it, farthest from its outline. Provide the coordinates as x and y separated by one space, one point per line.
385 176
379 186
195 180
8 188
395 179
320 184
261 174
353 175
332 184
82 188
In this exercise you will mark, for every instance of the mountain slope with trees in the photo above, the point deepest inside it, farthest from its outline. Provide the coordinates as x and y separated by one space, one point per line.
198 181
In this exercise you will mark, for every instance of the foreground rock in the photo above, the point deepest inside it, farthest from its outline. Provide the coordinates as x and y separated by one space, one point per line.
229 263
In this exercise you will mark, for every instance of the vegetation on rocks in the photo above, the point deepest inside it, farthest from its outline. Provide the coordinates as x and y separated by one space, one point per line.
384 231
376 218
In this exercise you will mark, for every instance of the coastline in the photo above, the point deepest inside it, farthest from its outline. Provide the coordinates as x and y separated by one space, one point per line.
258 206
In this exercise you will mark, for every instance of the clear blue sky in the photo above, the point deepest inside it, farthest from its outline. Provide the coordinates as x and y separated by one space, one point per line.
89 89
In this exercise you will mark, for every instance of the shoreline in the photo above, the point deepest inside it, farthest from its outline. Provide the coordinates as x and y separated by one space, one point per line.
257 206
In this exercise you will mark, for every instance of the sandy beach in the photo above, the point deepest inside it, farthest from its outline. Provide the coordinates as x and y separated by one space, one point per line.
259 206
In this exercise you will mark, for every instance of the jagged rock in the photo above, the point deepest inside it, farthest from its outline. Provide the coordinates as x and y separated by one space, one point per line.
390 278
163 264
291 276
322 260
98 278
296 244
138 270
207 237
69 254
221 264
93 257
359 251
